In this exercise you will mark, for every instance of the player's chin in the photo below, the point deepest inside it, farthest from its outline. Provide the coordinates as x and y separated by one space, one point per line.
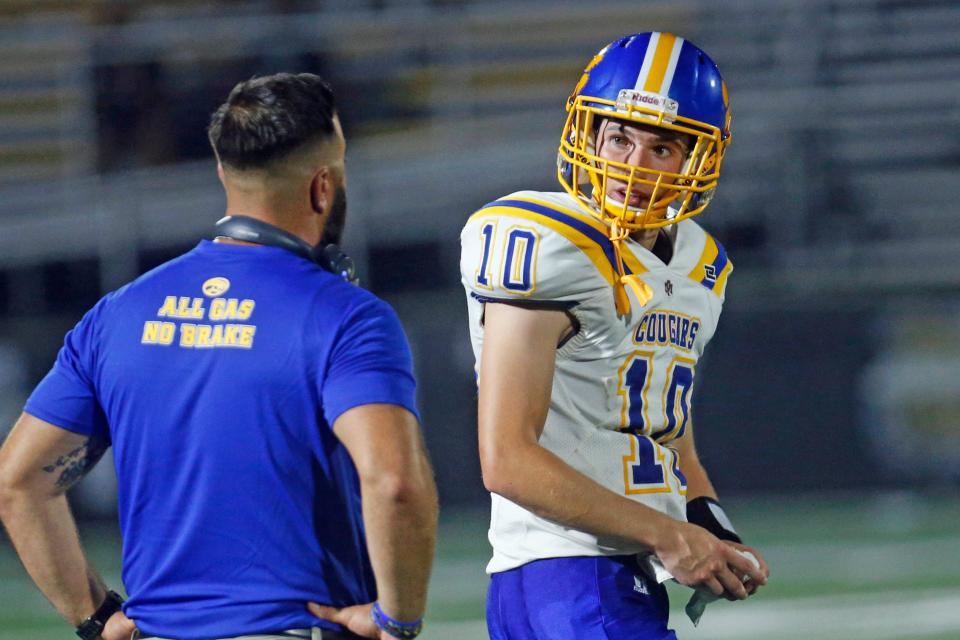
636 205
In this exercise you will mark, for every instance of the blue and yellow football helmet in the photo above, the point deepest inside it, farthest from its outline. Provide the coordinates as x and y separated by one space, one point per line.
656 79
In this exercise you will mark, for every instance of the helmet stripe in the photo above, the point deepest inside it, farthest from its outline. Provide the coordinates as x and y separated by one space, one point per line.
671 67
647 61
661 60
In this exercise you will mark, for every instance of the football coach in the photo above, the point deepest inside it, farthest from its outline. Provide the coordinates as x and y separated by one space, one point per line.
273 482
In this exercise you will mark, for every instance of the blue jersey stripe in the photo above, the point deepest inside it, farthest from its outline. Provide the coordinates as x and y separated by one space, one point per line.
718 264
602 241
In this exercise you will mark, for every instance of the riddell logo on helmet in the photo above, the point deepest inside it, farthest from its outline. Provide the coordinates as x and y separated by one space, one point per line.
629 98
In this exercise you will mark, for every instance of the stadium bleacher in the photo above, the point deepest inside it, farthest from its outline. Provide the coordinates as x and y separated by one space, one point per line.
841 108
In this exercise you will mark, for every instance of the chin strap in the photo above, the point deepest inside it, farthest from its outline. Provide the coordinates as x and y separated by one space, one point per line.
617 236
640 288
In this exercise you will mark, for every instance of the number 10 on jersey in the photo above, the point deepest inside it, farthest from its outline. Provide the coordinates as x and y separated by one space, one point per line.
650 467
518 267
636 376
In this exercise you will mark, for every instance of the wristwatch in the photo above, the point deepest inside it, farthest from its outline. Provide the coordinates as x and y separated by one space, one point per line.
92 627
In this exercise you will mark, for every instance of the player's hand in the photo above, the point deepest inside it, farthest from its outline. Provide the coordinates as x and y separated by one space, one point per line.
748 582
697 558
356 619
118 627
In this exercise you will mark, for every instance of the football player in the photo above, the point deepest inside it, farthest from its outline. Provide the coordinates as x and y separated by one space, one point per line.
589 309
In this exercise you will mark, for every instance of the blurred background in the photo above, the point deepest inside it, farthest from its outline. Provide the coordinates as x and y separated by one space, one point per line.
828 405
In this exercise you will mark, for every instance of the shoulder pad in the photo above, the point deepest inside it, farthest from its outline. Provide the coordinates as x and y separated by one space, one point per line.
528 246
707 258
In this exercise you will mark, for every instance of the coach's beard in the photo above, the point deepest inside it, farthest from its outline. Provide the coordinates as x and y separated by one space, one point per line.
336 220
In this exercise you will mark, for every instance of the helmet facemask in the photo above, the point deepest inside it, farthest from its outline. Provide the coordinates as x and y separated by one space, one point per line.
673 196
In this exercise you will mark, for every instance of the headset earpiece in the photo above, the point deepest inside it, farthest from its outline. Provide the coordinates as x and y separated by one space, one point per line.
248 229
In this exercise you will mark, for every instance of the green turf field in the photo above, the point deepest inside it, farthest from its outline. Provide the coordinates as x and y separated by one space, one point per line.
878 567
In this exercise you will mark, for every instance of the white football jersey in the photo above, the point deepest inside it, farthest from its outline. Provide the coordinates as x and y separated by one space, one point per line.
622 386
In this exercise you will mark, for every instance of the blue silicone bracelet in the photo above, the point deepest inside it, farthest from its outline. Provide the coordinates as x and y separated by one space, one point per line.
395 628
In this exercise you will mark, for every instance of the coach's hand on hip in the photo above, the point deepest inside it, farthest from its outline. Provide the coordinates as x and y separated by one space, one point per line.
357 619
118 627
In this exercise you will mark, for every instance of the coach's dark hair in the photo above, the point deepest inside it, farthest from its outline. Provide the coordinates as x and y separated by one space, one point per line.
264 119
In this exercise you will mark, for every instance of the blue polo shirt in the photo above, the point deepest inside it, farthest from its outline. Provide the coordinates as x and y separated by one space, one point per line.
217 377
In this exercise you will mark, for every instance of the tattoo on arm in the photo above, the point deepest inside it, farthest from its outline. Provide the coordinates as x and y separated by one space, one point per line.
75 464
